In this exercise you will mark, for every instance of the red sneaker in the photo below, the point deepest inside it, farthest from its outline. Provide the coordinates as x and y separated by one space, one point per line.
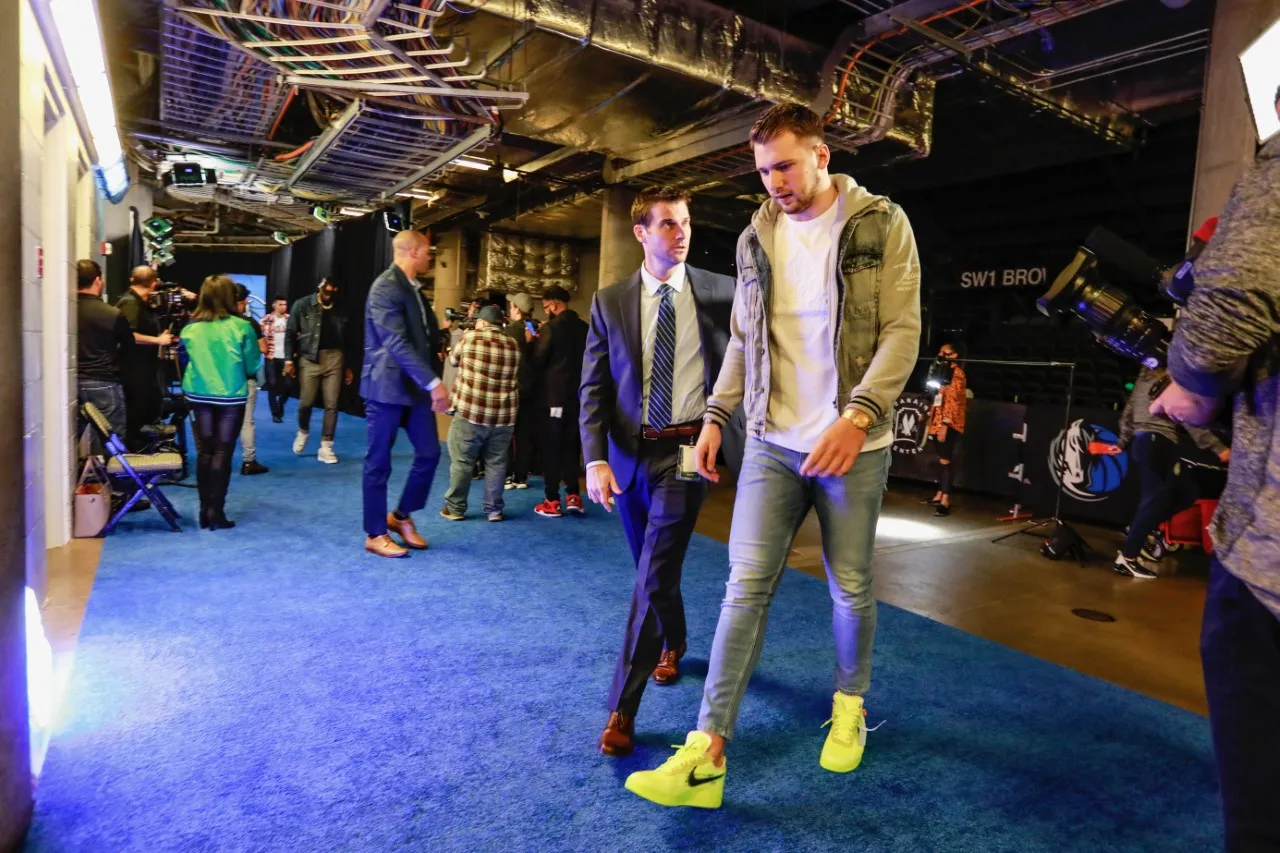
548 509
573 504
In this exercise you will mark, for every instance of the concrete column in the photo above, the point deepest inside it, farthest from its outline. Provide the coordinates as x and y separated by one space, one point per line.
451 272
15 748
1228 140
620 253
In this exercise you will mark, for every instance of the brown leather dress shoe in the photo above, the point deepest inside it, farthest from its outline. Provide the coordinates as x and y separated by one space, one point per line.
383 546
668 669
619 735
406 531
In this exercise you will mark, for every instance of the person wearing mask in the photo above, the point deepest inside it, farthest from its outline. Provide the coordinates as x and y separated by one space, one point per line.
315 352
103 337
249 465
400 383
521 330
825 334
1152 442
654 347
485 400
140 367
223 355
946 427
557 357
275 327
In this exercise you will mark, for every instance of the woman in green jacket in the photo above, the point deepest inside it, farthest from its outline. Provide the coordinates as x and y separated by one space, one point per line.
223 354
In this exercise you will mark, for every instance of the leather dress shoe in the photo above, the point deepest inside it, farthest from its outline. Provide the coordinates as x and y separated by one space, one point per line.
619 735
668 669
403 527
383 546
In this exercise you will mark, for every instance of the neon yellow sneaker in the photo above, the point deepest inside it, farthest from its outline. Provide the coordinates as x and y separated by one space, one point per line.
848 736
688 778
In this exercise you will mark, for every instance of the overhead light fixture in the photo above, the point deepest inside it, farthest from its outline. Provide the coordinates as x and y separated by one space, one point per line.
509 175
81 38
354 211
472 163
421 195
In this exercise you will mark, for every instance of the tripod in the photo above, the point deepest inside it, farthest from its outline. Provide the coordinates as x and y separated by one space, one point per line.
1063 538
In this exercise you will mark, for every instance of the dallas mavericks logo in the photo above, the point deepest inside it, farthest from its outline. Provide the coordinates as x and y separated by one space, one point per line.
1087 462
910 424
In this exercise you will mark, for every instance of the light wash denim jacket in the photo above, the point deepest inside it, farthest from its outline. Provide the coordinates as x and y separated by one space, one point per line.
876 275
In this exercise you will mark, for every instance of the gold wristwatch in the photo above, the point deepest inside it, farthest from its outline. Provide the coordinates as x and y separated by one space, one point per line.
858 418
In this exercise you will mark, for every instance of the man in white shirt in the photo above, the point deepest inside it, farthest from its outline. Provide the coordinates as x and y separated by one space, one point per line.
654 347
274 327
826 330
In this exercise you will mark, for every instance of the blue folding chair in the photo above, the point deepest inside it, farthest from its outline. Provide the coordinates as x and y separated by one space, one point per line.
143 470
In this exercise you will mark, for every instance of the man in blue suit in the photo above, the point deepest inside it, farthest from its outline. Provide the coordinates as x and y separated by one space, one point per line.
400 383
654 348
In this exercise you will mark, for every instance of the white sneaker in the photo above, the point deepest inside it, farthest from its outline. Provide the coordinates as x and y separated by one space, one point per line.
300 442
326 454
1132 568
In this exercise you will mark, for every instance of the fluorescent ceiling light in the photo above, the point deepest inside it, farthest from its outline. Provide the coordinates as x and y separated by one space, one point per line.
509 175
81 37
471 163
354 211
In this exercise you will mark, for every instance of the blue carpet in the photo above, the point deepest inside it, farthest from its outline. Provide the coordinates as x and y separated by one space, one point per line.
272 688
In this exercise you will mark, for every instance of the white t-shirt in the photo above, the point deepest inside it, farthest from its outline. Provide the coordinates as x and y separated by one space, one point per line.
804 382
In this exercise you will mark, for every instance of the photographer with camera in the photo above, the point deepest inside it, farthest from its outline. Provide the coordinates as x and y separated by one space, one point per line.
315 352
1226 345
140 366
946 420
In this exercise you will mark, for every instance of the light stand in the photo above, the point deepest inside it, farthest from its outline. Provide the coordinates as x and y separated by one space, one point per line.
1076 546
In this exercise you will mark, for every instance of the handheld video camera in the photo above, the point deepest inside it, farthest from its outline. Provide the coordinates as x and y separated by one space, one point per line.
1110 312
458 319
171 305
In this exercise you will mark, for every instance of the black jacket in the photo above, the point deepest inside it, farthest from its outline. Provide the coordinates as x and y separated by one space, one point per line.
558 356
302 337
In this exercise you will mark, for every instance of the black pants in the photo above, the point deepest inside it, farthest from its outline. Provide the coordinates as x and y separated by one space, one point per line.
561 452
1240 648
1163 491
946 450
216 429
523 440
277 386
658 513
143 402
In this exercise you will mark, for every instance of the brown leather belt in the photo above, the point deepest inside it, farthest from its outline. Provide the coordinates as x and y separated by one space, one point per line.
685 430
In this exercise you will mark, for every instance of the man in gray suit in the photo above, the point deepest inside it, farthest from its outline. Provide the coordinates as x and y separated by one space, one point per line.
654 348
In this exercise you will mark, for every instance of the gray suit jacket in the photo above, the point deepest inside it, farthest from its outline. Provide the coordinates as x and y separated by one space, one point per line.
612 387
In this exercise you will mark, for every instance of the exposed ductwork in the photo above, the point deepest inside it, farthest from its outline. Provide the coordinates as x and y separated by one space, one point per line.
691 37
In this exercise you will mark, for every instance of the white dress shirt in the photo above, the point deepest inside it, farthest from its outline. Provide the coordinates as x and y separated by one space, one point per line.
688 387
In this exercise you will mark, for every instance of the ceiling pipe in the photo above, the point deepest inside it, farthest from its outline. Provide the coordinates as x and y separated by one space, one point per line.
694 38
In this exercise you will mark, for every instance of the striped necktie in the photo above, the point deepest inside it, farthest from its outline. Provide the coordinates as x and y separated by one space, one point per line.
661 379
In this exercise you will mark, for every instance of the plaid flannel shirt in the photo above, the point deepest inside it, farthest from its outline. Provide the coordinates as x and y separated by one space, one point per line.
487 391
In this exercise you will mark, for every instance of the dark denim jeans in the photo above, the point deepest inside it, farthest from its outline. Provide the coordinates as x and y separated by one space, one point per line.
469 443
771 503
1240 649
384 421
108 397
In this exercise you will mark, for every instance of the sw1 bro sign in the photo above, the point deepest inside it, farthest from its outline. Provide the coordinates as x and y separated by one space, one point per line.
1015 277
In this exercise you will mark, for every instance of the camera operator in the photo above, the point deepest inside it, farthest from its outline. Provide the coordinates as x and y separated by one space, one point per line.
1225 345
523 330
140 367
1152 442
946 426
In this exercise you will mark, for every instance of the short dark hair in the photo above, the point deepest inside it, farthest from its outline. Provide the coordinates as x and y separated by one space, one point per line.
217 299
87 272
556 293
642 207
781 118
